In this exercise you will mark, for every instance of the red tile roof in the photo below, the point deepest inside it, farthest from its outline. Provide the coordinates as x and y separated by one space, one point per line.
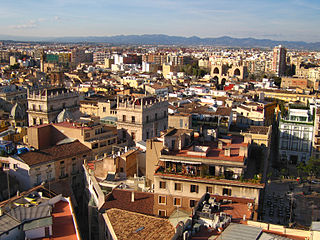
63 226
128 225
54 153
121 199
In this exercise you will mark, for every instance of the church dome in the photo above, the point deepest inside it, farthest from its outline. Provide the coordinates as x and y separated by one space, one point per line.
17 112
64 115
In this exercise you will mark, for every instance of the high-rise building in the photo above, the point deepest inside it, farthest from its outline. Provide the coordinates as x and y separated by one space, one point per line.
279 60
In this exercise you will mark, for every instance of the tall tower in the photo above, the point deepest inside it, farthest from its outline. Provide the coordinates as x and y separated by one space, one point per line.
279 60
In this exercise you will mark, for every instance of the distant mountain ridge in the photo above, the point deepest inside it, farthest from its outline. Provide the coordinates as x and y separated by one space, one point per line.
162 39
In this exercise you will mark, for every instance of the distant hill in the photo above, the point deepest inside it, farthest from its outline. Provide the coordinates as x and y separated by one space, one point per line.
161 39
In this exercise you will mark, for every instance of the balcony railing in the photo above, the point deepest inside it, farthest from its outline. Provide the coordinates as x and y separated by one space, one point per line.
197 175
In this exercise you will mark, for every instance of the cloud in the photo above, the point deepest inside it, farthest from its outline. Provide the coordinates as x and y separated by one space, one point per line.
29 25
24 26
57 18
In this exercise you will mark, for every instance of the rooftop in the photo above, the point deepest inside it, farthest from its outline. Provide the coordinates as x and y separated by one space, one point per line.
138 226
210 180
258 130
63 226
54 153
240 232
213 152
121 199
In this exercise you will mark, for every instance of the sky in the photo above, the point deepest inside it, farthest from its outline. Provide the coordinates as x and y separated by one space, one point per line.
293 20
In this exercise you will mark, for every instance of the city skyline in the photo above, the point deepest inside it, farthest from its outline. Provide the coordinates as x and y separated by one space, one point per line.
293 20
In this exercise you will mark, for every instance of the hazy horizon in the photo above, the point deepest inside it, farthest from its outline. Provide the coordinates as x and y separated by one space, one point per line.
287 20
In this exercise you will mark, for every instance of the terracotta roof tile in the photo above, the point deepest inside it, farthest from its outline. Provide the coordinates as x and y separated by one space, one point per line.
128 225
121 199
54 153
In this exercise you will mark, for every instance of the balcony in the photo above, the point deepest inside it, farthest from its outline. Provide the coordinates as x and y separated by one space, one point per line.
198 175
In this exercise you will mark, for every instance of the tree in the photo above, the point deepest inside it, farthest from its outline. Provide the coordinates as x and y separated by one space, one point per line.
312 167
277 81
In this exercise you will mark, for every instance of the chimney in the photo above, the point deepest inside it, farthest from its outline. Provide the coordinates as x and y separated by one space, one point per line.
227 151
132 196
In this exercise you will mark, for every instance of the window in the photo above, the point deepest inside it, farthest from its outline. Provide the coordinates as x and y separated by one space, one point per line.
62 171
284 145
38 178
41 121
73 159
104 109
15 166
162 200
181 123
305 136
194 188
133 119
209 189
162 213
133 135
226 191
74 167
193 203
305 147
49 175
147 119
84 156
34 121
33 107
286 134
156 116
162 185
87 135
121 169
294 146
177 202
62 162
164 113
178 186
147 135
124 118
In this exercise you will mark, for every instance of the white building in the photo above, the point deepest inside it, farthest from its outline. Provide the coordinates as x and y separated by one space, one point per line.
296 134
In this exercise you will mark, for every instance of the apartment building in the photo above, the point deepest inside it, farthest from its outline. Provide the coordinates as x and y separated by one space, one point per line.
53 164
296 134
44 105
90 132
255 113
141 118
103 108
184 170
316 135
279 60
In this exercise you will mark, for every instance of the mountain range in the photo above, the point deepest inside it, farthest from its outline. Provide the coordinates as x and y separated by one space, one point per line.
161 39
